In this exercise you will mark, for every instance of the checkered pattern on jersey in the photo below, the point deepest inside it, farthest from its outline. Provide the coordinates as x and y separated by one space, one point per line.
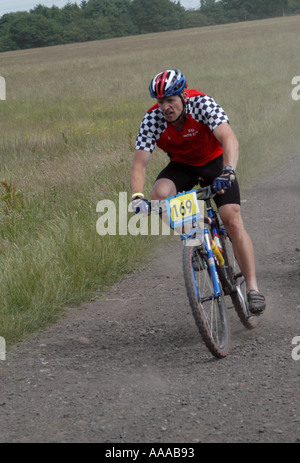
203 108
152 126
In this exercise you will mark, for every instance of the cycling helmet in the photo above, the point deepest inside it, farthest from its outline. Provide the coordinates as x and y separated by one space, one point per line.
167 83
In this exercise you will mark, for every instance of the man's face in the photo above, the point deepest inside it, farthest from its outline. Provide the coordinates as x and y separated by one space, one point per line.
171 107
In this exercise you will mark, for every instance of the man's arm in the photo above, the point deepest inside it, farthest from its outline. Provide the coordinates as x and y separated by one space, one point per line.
229 143
138 171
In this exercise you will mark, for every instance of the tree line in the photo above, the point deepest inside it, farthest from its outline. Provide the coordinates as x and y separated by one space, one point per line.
101 19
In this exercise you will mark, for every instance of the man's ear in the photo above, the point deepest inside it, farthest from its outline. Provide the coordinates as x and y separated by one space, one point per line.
184 96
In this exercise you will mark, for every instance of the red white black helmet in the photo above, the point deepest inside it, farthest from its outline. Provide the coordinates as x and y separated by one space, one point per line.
167 83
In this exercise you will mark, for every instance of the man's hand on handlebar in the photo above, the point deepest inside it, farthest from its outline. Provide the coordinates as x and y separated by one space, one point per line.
140 205
224 181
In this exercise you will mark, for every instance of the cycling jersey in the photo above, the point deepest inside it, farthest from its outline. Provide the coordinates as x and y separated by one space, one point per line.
195 144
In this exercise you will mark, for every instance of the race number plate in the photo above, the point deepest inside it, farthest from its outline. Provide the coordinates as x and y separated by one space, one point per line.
183 208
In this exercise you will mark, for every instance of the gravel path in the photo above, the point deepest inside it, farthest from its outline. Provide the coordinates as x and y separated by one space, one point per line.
130 367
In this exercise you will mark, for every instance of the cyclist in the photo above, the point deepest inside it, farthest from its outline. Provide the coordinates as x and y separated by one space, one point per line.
195 133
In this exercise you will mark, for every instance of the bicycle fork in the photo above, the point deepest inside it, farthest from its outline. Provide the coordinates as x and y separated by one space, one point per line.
212 264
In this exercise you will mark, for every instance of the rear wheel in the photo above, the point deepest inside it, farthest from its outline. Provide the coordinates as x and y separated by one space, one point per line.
209 311
239 297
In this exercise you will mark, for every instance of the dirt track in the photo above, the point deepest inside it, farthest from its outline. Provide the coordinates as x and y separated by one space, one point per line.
131 368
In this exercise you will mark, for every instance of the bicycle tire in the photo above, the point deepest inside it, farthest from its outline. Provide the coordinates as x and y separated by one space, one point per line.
209 312
237 279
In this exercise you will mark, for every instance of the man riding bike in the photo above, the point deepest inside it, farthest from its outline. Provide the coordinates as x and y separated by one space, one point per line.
195 133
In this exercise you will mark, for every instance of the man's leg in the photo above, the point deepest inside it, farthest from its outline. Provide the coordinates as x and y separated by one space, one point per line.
244 253
241 242
163 188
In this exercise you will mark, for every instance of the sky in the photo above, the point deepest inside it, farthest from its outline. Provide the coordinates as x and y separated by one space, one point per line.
8 6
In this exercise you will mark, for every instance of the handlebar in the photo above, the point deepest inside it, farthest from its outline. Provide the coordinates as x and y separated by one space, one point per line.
203 193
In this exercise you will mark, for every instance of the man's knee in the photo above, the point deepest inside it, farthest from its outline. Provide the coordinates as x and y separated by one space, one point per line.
232 220
234 227
163 188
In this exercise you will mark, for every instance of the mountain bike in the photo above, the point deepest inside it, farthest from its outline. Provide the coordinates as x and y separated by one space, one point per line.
211 271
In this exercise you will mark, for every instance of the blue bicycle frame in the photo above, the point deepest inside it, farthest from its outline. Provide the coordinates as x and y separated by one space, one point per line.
212 264
209 251
210 254
197 232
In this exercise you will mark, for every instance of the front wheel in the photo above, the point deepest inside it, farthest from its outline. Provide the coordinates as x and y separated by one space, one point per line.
209 311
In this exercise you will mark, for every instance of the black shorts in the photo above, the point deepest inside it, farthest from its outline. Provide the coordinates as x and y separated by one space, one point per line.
185 178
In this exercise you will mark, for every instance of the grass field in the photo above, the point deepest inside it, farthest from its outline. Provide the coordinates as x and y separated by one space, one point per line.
68 127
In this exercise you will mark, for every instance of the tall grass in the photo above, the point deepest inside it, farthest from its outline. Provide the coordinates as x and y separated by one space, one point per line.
68 129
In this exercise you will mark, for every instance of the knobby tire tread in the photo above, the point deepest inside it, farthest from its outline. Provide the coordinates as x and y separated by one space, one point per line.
196 310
